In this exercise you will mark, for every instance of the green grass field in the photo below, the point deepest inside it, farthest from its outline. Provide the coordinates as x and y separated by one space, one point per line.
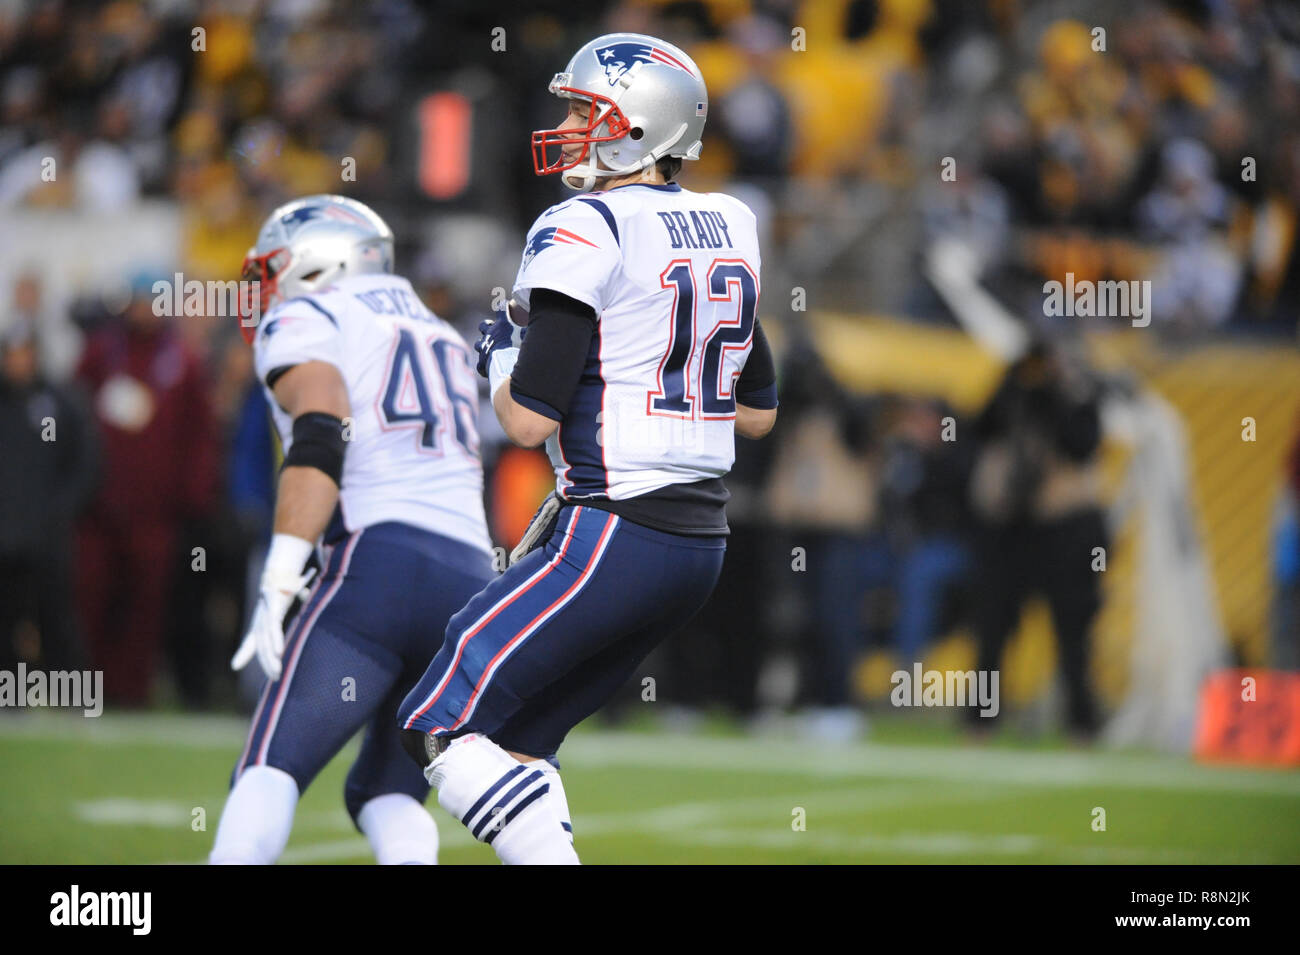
123 789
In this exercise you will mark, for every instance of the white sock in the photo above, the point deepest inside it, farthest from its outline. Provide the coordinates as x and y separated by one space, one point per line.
558 799
400 830
255 823
502 802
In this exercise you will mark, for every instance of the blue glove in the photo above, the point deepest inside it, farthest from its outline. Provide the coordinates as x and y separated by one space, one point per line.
495 333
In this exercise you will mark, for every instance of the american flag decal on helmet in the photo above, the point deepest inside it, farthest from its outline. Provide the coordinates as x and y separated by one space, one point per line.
618 58
700 109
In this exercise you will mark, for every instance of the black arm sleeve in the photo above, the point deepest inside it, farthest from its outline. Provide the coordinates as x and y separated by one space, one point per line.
553 354
756 387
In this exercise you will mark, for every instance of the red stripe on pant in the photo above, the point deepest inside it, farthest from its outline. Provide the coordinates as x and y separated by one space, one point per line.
488 617
592 562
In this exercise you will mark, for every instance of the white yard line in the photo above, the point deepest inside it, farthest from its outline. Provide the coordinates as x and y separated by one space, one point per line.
745 755
170 814
193 732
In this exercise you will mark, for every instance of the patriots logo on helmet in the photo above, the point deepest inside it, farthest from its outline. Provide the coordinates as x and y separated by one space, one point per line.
618 58
300 215
330 211
552 235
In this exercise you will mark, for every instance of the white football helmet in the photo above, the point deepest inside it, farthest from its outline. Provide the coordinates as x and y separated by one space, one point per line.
308 243
647 101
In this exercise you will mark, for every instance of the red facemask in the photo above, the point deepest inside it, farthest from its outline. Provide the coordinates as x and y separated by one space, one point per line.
545 138
262 271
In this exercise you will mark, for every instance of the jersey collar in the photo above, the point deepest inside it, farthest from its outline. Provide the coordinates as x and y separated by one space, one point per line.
661 187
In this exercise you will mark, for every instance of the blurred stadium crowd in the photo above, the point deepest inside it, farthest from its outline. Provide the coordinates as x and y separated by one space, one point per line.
1119 156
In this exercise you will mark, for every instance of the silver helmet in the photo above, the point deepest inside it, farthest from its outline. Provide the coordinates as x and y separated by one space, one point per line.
308 243
647 101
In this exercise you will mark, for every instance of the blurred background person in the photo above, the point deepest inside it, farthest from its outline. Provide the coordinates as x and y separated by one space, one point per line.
57 338
48 470
1188 215
1037 500
160 468
924 475
822 499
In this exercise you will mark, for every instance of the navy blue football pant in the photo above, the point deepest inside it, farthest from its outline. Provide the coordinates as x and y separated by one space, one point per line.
548 642
354 650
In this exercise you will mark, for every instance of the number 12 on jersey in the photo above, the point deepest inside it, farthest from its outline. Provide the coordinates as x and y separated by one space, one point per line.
699 342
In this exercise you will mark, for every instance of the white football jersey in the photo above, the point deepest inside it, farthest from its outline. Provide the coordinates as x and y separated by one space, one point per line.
413 452
673 277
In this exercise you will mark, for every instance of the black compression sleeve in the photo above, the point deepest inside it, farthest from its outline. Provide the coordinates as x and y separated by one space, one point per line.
553 354
756 387
318 443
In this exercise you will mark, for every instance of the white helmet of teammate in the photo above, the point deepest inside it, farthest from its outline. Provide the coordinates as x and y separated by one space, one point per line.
308 243
647 101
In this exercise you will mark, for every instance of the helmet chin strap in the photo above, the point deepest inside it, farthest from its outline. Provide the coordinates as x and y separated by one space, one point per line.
585 176
301 286
579 178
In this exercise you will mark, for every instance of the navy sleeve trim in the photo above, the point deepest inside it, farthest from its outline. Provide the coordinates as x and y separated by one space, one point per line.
605 214
534 404
764 399
333 320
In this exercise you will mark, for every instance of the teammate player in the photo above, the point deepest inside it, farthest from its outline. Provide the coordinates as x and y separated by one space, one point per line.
375 401
643 358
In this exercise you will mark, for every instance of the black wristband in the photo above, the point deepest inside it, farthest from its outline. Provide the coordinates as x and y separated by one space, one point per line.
317 443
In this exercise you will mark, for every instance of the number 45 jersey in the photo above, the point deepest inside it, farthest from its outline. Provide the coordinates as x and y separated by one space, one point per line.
412 451
673 277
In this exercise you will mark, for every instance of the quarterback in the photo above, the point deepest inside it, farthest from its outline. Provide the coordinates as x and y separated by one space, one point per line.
375 401
633 350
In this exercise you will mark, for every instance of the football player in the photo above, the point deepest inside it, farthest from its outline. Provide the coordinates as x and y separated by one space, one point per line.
643 358
375 401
